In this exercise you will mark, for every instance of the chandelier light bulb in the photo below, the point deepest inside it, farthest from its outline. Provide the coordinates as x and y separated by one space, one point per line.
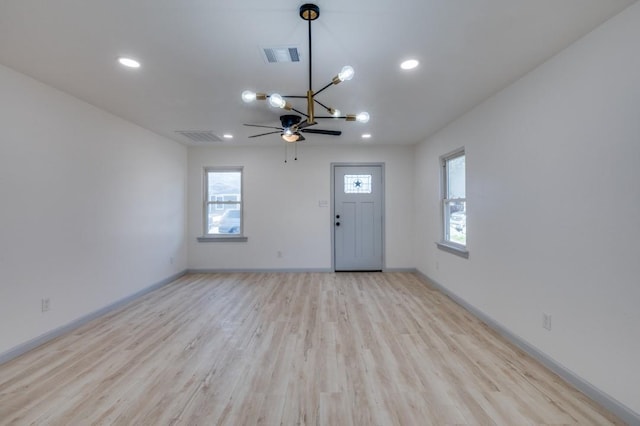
346 73
336 113
276 101
248 96
362 117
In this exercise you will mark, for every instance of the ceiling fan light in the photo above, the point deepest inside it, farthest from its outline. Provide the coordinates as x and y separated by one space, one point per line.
291 137
362 117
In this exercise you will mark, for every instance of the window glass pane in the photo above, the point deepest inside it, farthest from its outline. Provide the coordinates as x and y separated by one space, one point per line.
223 218
456 222
454 199
223 186
357 184
456 177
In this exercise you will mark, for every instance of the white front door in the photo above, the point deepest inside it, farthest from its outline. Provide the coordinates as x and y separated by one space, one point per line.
357 217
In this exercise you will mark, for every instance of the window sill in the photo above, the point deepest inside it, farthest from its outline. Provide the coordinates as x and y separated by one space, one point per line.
453 249
238 239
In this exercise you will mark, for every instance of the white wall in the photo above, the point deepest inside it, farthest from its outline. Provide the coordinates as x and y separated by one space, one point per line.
282 210
93 208
553 189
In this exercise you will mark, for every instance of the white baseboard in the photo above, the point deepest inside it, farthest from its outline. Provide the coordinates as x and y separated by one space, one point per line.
237 270
44 338
300 270
597 395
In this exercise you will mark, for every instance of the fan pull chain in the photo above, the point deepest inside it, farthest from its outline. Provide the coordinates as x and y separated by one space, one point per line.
285 153
295 151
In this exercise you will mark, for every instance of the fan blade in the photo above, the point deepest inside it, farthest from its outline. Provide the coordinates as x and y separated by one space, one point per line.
323 132
263 134
306 124
266 127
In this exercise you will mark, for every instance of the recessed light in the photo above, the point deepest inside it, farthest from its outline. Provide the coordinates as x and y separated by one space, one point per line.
128 62
227 136
366 136
409 64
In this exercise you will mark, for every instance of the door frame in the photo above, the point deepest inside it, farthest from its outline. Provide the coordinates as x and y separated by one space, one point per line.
332 209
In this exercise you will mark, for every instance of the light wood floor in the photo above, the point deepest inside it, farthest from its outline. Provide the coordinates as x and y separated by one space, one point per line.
279 348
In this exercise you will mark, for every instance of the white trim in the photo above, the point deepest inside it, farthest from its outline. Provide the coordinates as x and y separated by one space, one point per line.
222 239
446 244
453 248
206 236
257 270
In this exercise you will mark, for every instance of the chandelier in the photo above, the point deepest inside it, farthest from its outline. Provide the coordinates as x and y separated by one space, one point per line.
292 125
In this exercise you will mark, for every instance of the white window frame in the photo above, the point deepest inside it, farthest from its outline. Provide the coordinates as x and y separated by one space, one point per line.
208 237
219 199
446 243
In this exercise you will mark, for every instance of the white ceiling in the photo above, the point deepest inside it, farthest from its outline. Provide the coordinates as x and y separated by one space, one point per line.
199 55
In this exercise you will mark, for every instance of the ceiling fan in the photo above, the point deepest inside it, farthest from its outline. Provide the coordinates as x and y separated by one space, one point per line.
291 128
291 124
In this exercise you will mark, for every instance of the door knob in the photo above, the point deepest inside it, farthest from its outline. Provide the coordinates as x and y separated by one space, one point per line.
337 216
337 223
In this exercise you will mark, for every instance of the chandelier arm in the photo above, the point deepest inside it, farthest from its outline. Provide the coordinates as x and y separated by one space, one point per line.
324 88
300 112
321 104
332 117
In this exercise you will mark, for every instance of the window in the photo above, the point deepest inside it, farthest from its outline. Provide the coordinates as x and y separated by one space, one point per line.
357 184
454 202
223 203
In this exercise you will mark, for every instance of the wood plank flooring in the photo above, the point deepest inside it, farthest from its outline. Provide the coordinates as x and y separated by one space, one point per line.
288 348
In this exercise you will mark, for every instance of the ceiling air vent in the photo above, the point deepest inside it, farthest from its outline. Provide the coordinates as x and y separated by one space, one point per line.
199 135
276 55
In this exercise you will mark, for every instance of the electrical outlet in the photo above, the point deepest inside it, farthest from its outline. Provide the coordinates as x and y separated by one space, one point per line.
46 304
437 266
171 260
279 254
546 321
